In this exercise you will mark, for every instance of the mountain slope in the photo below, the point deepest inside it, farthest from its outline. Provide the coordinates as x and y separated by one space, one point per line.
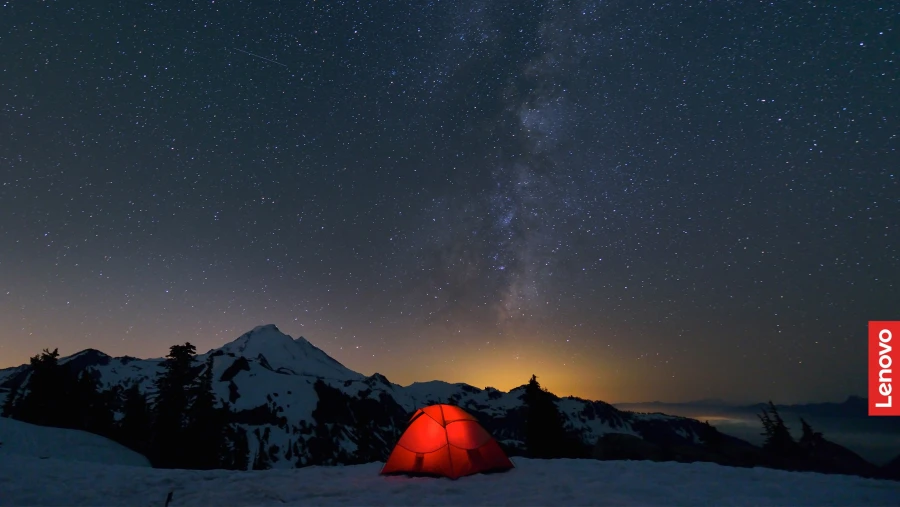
301 407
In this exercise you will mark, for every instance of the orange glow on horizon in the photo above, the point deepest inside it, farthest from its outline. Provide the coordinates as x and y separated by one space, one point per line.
503 370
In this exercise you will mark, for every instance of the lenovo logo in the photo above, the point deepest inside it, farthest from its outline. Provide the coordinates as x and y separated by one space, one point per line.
882 398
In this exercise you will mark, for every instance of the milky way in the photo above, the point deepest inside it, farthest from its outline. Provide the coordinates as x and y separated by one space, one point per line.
633 201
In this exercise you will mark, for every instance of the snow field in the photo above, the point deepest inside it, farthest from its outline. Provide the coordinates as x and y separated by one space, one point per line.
53 482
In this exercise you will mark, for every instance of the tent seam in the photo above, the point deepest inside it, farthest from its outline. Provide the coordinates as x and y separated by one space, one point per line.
447 437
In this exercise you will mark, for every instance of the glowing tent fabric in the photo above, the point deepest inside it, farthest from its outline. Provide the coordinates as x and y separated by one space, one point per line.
447 441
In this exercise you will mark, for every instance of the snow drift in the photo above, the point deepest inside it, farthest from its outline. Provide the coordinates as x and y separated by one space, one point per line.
21 439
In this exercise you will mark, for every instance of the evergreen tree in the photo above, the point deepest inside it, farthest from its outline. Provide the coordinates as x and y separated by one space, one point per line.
9 404
810 440
261 460
170 408
45 401
545 434
135 425
91 409
366 451
778 436
55 395
710 436
766 421
207 423
240 449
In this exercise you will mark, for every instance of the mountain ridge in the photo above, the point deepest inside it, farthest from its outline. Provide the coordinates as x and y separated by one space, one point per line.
300 407
852 406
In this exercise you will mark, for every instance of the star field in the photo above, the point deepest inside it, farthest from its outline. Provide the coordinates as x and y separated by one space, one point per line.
656 201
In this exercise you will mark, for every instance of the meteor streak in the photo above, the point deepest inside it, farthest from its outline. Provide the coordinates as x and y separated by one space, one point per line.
261 57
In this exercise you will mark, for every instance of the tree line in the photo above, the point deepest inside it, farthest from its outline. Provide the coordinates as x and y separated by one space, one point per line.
180 425
546 436
801 454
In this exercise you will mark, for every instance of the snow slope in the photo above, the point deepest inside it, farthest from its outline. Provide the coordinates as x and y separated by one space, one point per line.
532 482
21 439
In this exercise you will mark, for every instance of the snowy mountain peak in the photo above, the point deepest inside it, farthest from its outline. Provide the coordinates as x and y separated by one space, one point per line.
260 338
283 354
88 353
86 358
377 379
266 328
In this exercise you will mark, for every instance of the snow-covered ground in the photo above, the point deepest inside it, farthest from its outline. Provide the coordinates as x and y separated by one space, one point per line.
28 440
32 481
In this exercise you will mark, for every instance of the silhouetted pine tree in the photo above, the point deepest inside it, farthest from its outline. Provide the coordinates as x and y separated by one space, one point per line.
366 451
135 425
710 436
91 409
170 445
261 460
810 440
54 395
207 423
9 404
778 440
45 401
239 456
545 434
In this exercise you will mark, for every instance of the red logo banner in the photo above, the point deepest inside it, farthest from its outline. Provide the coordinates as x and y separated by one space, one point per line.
883 353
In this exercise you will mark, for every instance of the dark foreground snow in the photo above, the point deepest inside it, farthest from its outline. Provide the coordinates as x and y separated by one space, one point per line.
34 481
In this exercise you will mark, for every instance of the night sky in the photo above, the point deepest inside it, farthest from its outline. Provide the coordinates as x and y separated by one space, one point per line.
633 200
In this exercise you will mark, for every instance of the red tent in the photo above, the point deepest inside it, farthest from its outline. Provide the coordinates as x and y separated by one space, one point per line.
445 440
